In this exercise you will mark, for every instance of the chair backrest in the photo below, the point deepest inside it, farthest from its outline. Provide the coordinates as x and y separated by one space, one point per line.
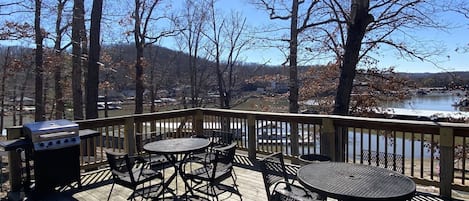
224 157
225 154
273 170
222 137
121 168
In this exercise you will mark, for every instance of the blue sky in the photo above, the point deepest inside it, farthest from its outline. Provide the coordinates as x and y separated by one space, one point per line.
450 60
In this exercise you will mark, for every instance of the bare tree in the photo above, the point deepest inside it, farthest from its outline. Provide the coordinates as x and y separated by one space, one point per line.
144 16
328 29
359 21
366 28
78 22
195 19
6 63
161 76
60 30
227 38
281 11
92 81
39 112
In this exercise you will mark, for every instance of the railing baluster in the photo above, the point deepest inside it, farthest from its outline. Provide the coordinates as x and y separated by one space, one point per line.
377 148
361 145
394 150
369 146
432 156
421 154
403 153
315 137
354 143
386 153
412 152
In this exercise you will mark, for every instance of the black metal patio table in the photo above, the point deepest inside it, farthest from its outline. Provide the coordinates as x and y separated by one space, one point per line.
349 181
172 148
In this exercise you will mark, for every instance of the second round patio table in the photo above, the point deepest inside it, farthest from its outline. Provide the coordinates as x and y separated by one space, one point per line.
349 181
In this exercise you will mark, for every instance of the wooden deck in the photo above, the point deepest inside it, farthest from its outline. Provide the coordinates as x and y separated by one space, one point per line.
97 184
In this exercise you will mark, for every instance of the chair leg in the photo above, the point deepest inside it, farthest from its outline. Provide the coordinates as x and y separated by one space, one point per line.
214 192
109 196
235 185
208 192
132 196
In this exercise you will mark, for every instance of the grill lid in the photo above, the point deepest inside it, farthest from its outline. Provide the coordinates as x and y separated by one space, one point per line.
55 134
53 126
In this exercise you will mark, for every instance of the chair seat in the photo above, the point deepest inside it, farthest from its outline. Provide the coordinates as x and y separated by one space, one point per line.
157 162
140 175
206 173
296 193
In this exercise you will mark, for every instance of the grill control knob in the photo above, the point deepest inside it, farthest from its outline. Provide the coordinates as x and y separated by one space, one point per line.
73 139
58 142
66 141
50 143
41 144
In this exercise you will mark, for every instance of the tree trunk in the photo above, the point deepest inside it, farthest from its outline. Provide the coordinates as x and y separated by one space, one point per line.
139 88
45 96
293 83
84 48
4 77
77 91
22 92
39 112
59 103
15 109
152 80
139 46
360 18
93 61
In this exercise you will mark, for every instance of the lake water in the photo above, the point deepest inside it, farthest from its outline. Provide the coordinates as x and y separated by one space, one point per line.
438 101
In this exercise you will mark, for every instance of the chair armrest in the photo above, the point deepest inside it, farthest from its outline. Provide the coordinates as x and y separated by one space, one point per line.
220 149
138 159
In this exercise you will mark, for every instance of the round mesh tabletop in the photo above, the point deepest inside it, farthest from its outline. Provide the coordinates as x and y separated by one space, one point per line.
348 181
177 145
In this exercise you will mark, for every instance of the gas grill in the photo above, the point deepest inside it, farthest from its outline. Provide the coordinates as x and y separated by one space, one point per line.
55 152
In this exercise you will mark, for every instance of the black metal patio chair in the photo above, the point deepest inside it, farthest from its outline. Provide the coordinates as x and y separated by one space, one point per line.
311 158
217 139
132 172
208 176
276 182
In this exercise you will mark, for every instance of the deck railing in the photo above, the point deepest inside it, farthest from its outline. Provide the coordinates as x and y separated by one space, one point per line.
432 153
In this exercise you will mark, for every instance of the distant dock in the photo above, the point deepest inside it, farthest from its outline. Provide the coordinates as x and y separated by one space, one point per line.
428 115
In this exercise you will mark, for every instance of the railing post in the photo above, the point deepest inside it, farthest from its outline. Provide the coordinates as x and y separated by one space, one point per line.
446 161
328 139
199 122
14 161
129 136
252 137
